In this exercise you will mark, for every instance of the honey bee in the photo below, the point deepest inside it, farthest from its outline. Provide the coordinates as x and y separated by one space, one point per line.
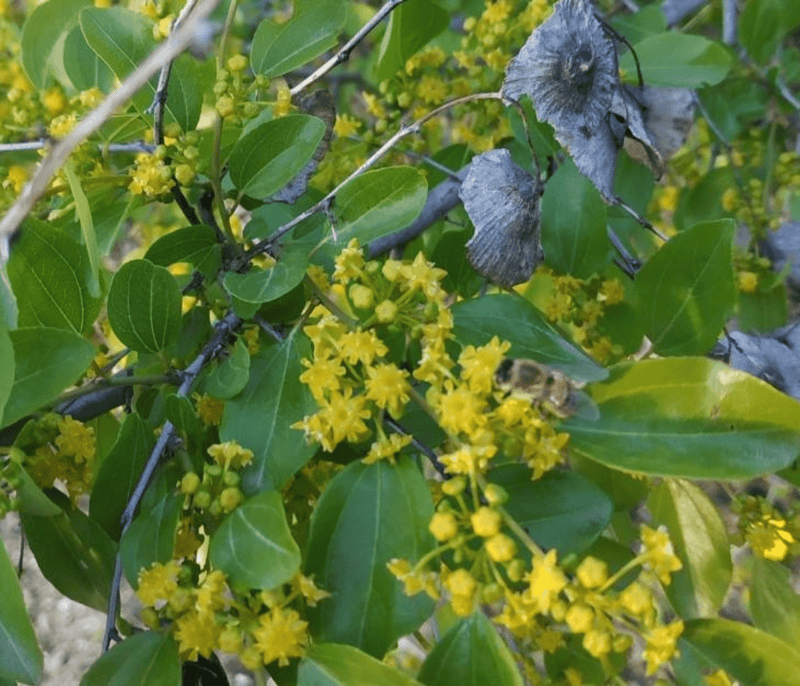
546 388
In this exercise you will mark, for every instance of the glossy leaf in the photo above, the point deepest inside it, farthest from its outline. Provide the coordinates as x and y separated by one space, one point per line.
514 319
151 536
471 653
260 417
196 245
253 544
762 27
700 539
266 285
179 410
689 417
561 510
411 26
230 376
679 59
33 500
368 515
40 35
574 224
774 604
144 306
686 290
83 211
21 657
84 68
73 552
7 364
47 361
333 664
266 158
119 472
143 659
378 203
123 38
51 276
280 48
749 655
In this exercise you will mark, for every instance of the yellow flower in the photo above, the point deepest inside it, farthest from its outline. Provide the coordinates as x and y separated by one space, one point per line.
17 176
579 618
349 263
545 581
460 410
597 642
658 550
668 200
486 522
386 448
344 414
54 101
323 374
463 589
718 678
479 364
496 12
386 311
747 281
305 585
197 634
283 103
281 634
62 125
637 599
431 89
361 296
769 539
76 440
443 526
230 454
501 548
237 63
150 176
468 459
210 410
591 572
661 645
611 292
387 386
158 582
423 276
345 125
373 106
210 594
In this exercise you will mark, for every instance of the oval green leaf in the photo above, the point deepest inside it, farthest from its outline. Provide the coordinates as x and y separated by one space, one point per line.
21 657
378 203
686 290
751 656
774 604
266 285
517 321
144 659
333 664
230 376
260 417
368 515
253 544
51 276
679 59
196 245
280 48
700 539
73 552
574 222
47 361
144 306
471 653
561 510
84 68
689 417
265 159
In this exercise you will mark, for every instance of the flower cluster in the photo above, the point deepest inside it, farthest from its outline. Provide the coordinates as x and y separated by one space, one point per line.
10 480
217 492
771 533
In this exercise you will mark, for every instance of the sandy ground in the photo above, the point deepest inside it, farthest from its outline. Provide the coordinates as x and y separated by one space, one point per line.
69 633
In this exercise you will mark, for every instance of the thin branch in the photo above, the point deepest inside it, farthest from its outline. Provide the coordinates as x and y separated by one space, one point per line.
729 22
639 218
139 146
168 50
264 245
626 262
213 348
419 445
344 53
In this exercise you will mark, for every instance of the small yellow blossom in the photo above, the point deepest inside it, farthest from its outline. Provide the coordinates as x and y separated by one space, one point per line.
747 281
486 522
546 581
668 199
501 548
345 125
150 176
374 106
349 263
361 346
580 618
62 125
17 176
305 585
658 550
158 582
387 448
478 365
283 103
322 376
76 440
591 572
443 526
661 645
463 590
460 410
237 63
197 634
386 311
230 454
210 410
54 101
387 386
597 642
281 634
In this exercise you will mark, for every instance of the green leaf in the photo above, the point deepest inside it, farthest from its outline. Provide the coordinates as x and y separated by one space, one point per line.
280 48
266 285
230 376
689 417
700 539
774 604
679 59
33 500
51 275
84 68
514 319
84 213
180 411
686 290
332 664
196 245
21 657
411 26
378 203
574 224
561 510
119 472
144 659
646 22
761 29
6 367
265 159
763 311
40 35
253 544
151 536
123 38
470 654
73 552
368 515
749 655
260 417
144 306
703 202
47 361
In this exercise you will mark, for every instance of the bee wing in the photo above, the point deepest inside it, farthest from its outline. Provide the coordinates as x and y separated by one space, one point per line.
583 407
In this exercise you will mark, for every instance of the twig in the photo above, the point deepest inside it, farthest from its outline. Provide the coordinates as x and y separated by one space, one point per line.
139 146
729 22
165 52
264 245
419 445
344 53
214 346
626 262
639 218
